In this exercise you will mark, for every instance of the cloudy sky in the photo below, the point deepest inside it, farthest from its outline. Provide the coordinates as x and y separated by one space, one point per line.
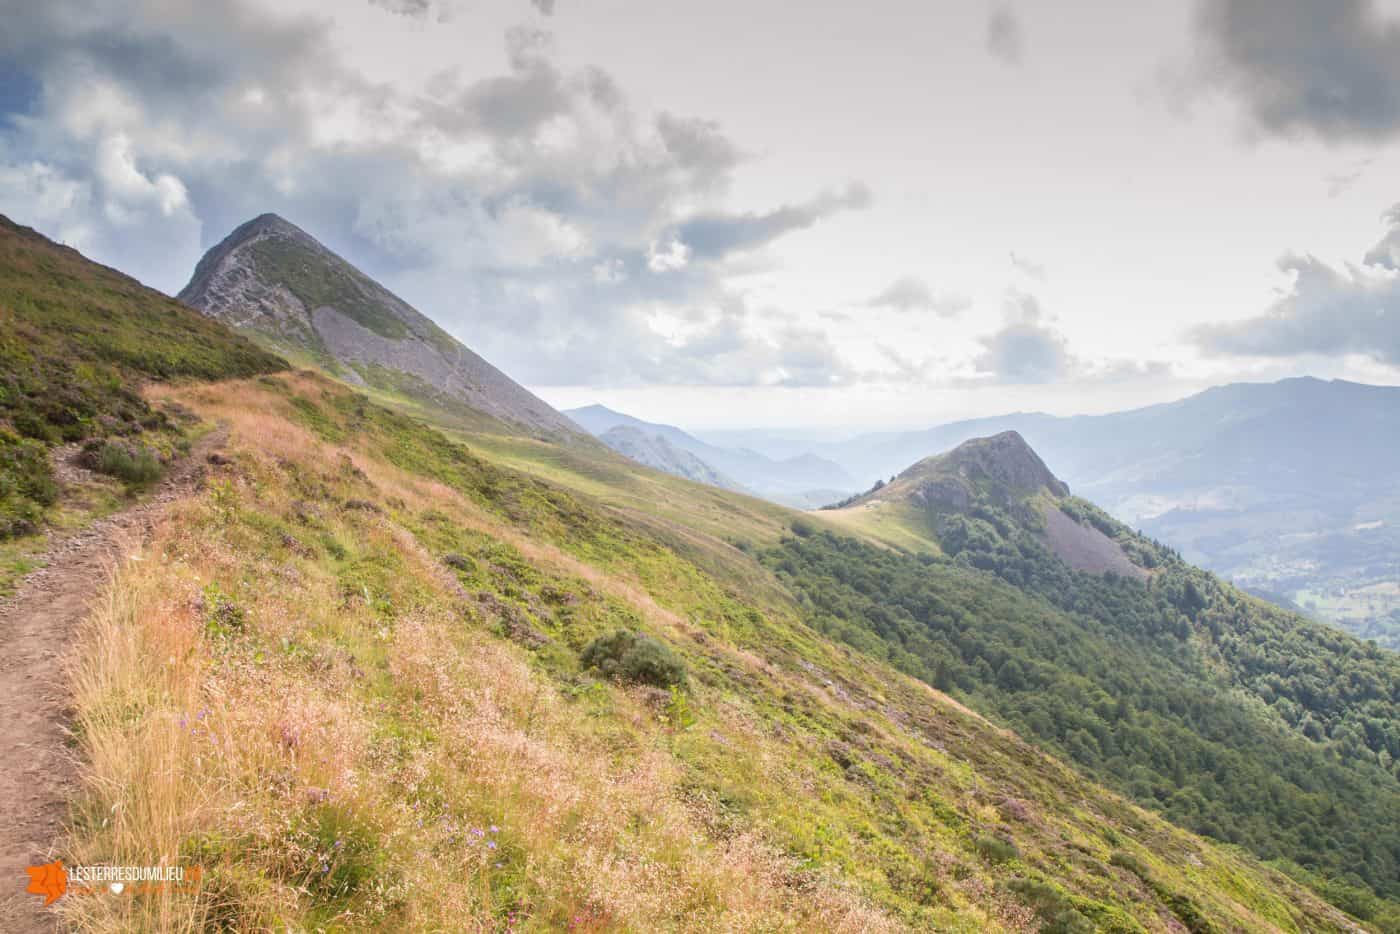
755 213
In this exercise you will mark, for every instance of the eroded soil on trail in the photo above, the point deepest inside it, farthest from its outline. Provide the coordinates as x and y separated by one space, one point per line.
37 627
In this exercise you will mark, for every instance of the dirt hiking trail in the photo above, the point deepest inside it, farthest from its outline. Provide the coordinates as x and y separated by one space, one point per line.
37 626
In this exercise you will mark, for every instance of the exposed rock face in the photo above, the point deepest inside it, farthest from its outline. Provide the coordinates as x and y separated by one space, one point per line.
274 279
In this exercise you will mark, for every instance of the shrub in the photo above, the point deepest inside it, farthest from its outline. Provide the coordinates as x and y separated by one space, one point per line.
135 466
995 849
26 485
634 658
1055 909
222 616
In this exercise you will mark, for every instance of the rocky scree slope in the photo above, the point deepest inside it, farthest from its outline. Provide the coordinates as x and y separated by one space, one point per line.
272 278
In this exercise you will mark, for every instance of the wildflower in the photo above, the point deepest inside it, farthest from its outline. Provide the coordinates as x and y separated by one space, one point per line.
495 829
491 844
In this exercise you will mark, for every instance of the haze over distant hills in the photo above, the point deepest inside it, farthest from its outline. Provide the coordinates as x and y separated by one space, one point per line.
272 279
803 480
1289 488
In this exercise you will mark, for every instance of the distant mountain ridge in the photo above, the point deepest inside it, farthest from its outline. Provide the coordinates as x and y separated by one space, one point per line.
657 452
805 480
271 278
1290 488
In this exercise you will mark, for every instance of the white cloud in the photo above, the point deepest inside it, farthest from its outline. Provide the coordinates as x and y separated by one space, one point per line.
910 293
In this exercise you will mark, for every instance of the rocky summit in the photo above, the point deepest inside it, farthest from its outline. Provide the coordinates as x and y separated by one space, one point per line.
271 278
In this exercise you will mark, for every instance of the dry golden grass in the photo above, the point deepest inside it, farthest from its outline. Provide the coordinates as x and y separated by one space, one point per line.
466 774
301 697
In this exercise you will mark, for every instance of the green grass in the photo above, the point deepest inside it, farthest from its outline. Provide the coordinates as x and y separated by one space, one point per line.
702 524
626 542
76 340
369 599
1233 718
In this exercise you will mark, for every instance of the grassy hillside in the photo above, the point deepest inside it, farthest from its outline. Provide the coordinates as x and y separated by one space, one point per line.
351 679
1232 717
372 677
76 341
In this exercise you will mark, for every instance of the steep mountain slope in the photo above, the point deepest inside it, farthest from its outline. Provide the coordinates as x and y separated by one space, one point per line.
803 480
367 678
274 280
76 339
405 698
658 453
1180 690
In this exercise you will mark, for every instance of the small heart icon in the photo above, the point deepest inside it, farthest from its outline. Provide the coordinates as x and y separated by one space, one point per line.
117 887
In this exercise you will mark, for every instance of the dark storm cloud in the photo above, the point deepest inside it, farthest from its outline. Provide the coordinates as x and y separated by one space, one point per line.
1326 68
1003 39
910 294
713 236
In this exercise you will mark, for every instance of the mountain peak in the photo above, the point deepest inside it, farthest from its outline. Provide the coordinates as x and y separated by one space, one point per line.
264 225
1004 459
273 279
1000 467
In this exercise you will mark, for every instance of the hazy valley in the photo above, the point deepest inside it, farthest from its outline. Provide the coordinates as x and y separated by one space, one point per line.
1288 489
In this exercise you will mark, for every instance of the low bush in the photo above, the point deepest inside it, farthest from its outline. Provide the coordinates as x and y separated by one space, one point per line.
634 658
995 849
135 465
1052 906
26 484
